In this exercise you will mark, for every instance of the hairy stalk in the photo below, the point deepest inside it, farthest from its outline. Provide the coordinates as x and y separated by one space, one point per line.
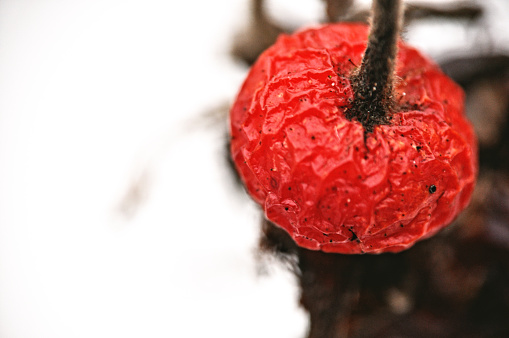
372 82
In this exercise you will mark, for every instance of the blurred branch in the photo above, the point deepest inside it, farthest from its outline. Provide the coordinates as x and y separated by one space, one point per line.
258 36
460 11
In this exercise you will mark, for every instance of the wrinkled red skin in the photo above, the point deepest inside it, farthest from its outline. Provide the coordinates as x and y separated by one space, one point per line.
315 174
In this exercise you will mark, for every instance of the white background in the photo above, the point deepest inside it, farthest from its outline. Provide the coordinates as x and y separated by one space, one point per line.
118 217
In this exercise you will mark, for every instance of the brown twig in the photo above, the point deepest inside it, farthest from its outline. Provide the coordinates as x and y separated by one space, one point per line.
372 82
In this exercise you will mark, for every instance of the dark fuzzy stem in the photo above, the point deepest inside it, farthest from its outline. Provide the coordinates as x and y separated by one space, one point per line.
372 82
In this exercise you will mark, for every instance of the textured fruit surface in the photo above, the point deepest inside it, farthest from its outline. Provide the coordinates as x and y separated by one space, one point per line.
318 175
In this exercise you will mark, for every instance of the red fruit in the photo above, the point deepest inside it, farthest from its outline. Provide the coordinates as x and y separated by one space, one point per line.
325 180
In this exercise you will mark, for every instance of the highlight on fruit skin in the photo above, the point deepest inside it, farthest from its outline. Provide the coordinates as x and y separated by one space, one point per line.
325 180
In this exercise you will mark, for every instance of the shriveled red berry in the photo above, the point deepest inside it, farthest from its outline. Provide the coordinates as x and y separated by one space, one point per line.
325 180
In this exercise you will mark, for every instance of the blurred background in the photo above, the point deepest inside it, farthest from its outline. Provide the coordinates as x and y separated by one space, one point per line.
118 214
